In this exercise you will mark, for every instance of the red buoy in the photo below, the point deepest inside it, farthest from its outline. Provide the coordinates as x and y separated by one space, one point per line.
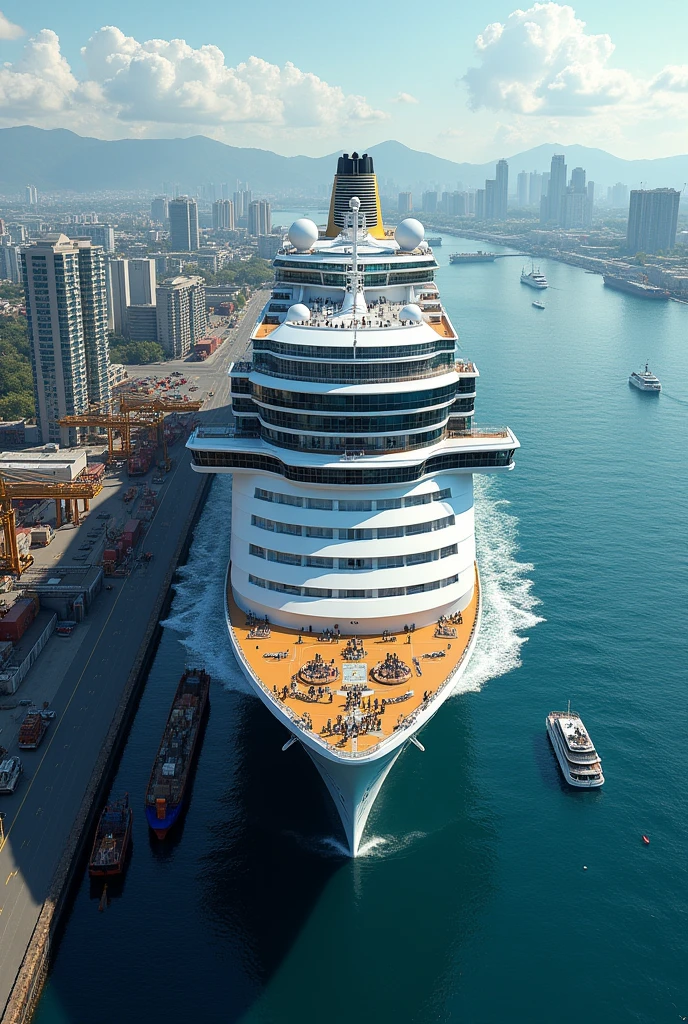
646 840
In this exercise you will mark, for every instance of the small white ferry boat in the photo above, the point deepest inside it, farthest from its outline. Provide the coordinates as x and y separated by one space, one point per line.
538 305
577 757
534 279
645 381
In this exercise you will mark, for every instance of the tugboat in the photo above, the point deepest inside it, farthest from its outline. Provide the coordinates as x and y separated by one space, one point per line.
579 761
112 839
177 752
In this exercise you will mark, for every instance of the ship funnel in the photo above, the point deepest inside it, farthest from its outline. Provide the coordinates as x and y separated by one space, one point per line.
355 177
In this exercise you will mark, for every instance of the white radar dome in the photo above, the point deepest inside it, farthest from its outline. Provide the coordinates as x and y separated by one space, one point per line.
303 233
298 312
411 312
409 234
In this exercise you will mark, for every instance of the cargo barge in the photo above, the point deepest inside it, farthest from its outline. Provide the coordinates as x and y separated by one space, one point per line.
112 839
639 288
177 752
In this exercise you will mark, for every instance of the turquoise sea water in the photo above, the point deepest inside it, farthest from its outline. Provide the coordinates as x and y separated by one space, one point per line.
471 902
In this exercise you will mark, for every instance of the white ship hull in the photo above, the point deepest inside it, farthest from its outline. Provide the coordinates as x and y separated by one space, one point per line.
533 284
558 748
353 782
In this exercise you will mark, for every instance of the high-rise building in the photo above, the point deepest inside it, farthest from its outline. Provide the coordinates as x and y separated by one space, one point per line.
10 261
556 189
242 200
181 314
183 216
223 215
501 190
159 209
269 246
578 179
429 202
480 204
142 322
590 189
490 199
142 282
99 234
259 218
31 195
617 196
522 190
405 203
66 310
118 295
652 219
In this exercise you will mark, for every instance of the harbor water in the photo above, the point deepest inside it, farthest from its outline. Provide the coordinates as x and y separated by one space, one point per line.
487 889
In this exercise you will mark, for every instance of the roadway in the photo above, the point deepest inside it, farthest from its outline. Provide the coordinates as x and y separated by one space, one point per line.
88 688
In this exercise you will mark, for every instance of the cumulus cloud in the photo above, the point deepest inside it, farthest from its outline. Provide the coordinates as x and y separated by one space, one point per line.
674 78
404 97
542 61
169 82
8 30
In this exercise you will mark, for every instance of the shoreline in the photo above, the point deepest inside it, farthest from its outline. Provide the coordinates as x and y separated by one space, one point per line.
33 971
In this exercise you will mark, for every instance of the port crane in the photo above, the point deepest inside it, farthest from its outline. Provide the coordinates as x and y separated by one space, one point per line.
128 412
17 488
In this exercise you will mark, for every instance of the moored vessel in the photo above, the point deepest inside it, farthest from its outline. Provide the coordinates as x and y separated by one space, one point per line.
353 600
112 838
473 257
645 381
533 278
642 289
579 761
168 783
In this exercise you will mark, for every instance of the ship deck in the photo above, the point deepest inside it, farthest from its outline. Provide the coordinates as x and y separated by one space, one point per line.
361 726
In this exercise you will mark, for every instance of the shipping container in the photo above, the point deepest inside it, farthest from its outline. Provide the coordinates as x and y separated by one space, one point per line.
17 620
132 530
31 731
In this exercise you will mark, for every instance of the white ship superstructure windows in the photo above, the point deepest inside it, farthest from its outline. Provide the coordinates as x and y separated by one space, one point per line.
349 594
353 505
358 533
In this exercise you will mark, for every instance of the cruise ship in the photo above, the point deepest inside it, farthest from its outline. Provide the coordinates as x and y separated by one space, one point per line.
353 597
534 278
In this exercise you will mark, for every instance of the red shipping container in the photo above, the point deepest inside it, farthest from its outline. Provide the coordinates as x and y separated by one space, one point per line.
132 529
110 555
18 619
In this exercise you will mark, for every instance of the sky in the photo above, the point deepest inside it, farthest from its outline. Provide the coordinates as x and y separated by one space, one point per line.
462 80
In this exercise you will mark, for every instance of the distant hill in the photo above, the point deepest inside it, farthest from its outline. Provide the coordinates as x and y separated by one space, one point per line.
60 159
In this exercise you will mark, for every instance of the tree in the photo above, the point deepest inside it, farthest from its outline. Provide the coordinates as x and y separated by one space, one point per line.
16 378
138 352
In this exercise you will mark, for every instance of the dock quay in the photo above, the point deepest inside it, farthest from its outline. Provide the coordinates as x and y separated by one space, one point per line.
91 679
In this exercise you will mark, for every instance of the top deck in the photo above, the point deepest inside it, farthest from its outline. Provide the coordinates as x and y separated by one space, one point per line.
574 733
340 700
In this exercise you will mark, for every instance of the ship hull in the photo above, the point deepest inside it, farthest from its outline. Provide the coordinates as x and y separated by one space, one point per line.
354 783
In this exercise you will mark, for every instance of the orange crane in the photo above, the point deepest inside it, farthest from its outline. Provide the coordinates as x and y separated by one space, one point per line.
133 411
15 488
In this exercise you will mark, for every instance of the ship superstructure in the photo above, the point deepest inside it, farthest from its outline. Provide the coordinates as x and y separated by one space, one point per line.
352 599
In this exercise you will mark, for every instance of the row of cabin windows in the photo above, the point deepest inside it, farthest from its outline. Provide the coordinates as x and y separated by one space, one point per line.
364 533
288 588
325 476
353 564
352 504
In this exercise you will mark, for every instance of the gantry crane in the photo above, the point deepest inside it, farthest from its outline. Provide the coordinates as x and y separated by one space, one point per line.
16 488
132 410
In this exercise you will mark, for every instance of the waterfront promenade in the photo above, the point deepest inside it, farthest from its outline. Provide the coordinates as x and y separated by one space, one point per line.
42 813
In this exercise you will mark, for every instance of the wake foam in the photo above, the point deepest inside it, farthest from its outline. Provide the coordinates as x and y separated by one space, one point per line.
507 590
198 609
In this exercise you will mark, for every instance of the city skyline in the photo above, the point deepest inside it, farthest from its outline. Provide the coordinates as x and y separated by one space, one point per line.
514 79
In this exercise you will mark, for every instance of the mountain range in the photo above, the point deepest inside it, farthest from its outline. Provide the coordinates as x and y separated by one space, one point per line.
58 159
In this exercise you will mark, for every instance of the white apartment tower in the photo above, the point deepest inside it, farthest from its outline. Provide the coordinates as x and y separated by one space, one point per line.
181 315
223 215
66 309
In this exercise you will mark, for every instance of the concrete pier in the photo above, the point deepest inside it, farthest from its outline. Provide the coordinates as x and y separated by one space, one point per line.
92 682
